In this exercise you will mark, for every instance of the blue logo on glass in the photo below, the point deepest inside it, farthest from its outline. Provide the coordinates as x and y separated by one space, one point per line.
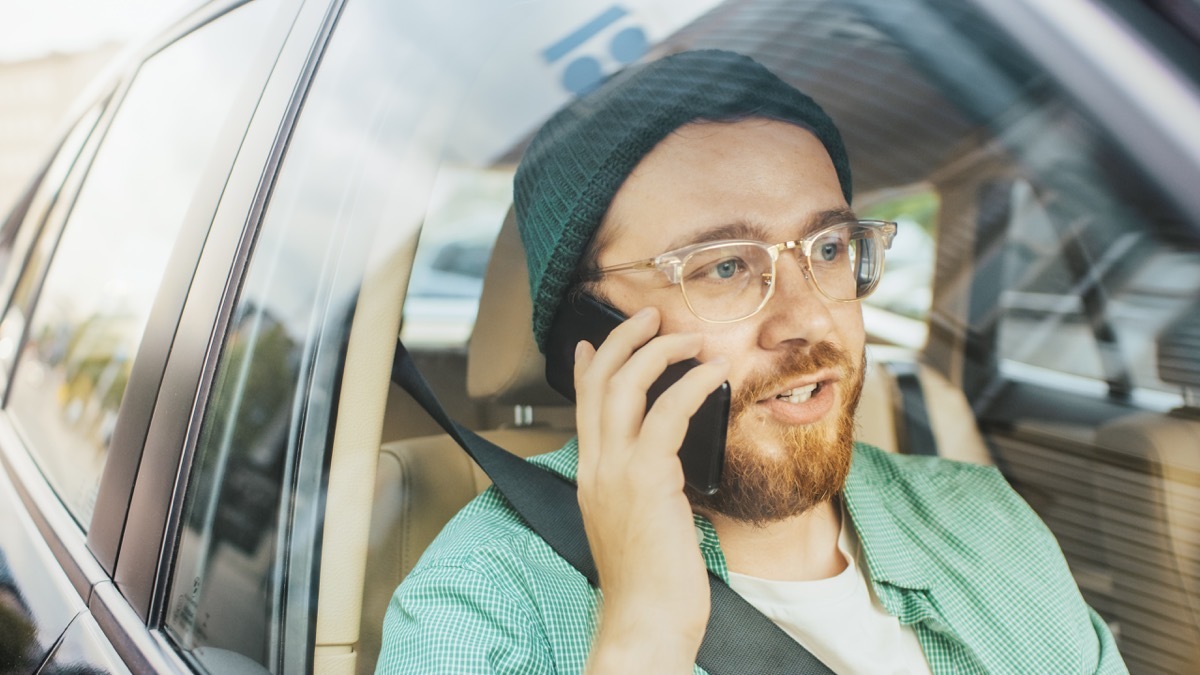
584 73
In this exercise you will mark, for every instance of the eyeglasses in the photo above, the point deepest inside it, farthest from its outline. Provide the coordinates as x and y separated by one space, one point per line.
731 280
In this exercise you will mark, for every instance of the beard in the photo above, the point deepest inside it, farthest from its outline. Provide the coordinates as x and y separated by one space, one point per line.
808 464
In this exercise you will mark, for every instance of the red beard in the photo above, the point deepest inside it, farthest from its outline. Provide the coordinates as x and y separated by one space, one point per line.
761 487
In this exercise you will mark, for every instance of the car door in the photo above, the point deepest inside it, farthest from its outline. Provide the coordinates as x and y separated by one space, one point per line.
89 299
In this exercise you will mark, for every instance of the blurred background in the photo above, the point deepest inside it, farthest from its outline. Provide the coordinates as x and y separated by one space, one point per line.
49 51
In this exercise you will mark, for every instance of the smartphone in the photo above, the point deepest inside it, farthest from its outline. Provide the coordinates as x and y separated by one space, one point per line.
583 317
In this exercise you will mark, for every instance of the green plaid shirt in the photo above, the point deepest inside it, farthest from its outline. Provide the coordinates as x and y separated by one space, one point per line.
950 550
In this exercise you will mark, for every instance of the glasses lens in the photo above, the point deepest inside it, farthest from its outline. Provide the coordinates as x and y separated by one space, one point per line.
846 261
726 282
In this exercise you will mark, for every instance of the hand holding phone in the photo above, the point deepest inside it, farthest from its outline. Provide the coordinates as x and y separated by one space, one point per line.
583 317
637 518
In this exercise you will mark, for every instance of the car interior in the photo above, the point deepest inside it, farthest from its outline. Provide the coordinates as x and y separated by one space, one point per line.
420 482
1118 486
1040 311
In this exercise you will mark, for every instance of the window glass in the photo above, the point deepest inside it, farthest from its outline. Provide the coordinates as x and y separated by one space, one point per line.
466 210
96 296
31 206
345 207
1093 270
418 116
30 227
225 579
1030 239
909 262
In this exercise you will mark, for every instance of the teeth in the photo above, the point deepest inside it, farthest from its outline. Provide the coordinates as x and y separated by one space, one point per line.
799 394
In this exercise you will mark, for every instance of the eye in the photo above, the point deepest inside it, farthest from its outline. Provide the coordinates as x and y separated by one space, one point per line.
720 269
726 269
830 247
829 251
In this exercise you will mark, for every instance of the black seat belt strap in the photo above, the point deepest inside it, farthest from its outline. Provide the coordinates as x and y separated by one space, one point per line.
916 433
538 495
738 639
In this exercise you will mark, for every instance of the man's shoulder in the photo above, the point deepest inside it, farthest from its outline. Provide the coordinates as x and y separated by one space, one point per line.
488 531
486 526
878 467
975 496
983 559
489 593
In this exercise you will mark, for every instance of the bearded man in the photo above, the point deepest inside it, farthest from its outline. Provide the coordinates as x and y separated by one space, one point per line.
709 201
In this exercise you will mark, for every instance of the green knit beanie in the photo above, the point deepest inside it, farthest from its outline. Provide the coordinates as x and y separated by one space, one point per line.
581 156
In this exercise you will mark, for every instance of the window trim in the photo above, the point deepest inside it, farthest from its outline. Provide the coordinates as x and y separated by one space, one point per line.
113 501
144 572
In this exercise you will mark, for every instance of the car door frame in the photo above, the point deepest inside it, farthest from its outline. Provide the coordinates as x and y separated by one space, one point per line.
198 312
91 562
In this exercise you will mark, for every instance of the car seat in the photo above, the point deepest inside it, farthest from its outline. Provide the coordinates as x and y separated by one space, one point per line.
1151 515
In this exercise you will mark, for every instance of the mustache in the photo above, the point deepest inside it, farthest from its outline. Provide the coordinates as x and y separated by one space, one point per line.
797 363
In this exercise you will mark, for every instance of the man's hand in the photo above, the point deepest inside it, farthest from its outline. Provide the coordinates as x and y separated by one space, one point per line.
638 521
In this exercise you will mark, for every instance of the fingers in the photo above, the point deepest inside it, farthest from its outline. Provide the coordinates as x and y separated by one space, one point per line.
666 423
636 517
593 370
611 384
587 417
624 391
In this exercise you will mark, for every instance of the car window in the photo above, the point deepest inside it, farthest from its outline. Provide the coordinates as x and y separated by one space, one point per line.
26 231
1035 247
1092 273
97 293
466 209
27 214
343 211
905 299
227 582
1060 266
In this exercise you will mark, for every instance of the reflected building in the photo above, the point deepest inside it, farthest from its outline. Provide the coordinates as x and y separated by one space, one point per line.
35 95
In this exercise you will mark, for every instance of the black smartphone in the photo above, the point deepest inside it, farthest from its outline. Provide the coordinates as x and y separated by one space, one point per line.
583 317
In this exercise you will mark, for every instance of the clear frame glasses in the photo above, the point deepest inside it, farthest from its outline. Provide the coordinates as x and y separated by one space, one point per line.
731 280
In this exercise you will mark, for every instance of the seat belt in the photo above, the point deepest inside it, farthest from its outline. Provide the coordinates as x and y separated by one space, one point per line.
917 437
738 638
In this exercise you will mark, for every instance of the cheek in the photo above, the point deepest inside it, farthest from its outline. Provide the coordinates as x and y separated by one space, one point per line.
674 313
733 341
850 328
630 293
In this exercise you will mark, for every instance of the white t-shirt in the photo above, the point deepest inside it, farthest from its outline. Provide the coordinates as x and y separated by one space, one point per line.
838 619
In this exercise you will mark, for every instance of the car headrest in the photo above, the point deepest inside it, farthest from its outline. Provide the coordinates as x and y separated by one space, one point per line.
503 361
1179 351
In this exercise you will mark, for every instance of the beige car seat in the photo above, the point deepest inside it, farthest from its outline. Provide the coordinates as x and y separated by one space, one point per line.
1151 513
422 482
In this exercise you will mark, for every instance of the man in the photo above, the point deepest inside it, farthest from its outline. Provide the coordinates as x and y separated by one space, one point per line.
665 194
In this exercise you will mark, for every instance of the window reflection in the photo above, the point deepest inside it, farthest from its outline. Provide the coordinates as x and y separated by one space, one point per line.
97 294
234 490
466 209
15 285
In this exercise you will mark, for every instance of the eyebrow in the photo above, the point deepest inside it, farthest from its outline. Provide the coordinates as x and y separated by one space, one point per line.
743 229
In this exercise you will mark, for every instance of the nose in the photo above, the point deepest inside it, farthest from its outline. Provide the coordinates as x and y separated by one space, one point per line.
797 313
